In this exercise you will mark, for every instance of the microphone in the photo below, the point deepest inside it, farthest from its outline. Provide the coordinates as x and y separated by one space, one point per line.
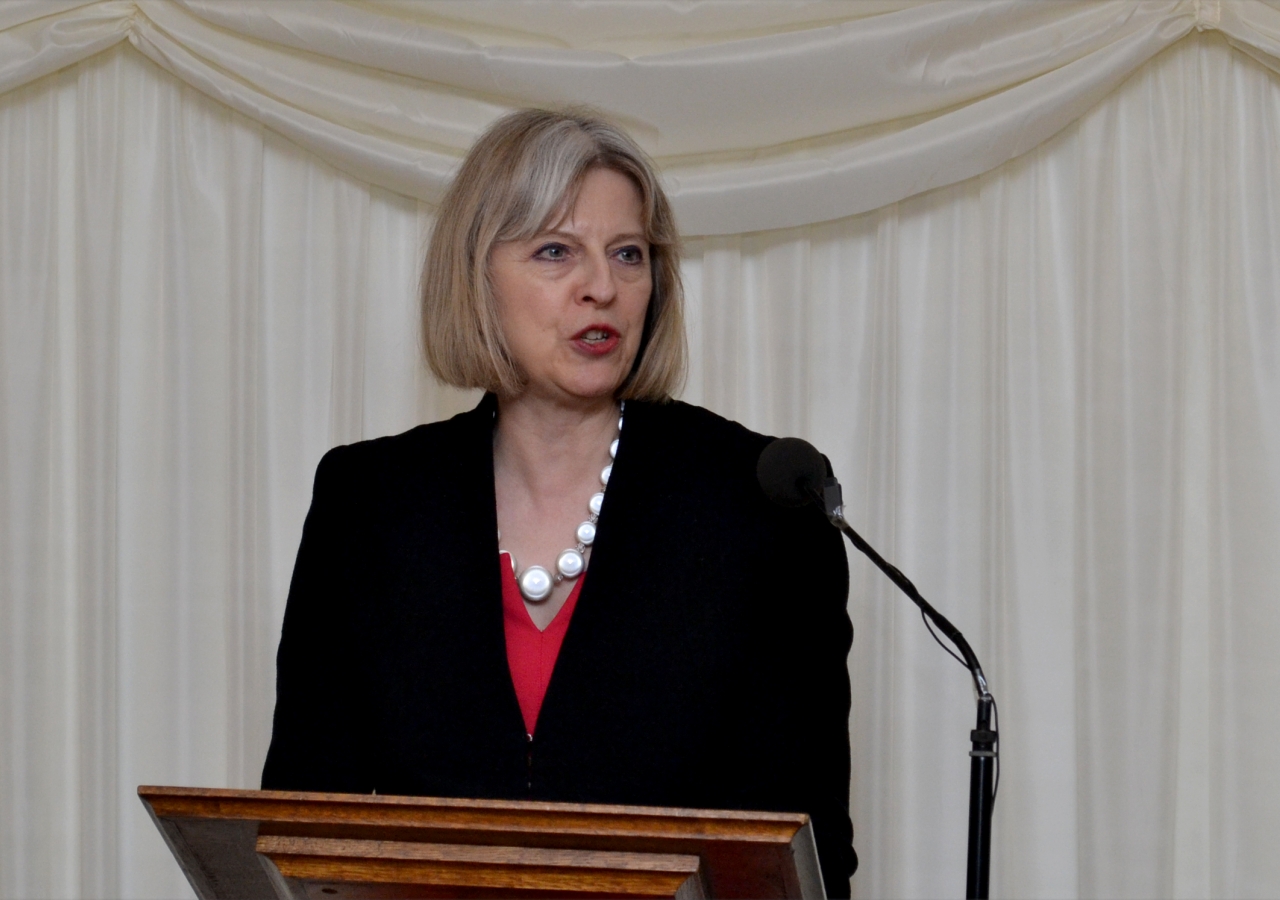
793 473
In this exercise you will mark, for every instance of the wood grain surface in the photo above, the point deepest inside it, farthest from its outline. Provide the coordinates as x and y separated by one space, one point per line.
221 837
566 871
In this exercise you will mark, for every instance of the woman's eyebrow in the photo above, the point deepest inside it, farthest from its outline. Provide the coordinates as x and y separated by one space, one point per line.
554 232
562 233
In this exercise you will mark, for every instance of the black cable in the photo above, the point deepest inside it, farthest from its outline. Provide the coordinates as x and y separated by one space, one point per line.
954 655
995 726
995 710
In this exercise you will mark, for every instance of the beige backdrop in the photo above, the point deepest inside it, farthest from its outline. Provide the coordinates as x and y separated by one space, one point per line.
1012 266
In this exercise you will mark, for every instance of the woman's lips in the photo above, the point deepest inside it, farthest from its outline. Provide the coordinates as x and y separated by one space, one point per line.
596 340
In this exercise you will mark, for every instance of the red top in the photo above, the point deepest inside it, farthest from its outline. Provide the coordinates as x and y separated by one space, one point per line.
531 654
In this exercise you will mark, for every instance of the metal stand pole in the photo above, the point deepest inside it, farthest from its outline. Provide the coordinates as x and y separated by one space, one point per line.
982 765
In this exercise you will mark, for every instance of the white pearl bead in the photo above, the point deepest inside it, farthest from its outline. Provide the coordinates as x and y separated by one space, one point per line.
619 423
613 450
570 563
604 475
586 533
596 503
536 584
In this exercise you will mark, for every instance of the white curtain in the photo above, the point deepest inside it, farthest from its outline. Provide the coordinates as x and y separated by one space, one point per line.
1050 384
764 114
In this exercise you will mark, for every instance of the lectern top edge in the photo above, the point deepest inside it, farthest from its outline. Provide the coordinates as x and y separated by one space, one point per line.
167 792
378 809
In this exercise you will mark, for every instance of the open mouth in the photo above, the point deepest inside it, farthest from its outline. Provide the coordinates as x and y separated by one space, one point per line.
596 339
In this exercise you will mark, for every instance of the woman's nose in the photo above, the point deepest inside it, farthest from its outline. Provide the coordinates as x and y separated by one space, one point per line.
598 284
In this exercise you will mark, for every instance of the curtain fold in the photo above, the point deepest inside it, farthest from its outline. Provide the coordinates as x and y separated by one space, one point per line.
915 98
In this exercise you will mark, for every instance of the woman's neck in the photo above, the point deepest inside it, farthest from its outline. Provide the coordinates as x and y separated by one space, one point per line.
549 446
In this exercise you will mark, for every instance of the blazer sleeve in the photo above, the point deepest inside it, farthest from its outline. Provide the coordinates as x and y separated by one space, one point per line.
816 637
316 732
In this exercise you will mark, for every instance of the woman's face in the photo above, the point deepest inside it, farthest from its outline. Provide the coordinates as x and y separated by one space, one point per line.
572 300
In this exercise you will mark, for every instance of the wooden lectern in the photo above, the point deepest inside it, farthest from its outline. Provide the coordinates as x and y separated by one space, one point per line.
278 844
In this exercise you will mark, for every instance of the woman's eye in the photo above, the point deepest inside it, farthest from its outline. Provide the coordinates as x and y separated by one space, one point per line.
631 255
552 251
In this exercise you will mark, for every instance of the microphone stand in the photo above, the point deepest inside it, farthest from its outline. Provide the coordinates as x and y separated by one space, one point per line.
985 754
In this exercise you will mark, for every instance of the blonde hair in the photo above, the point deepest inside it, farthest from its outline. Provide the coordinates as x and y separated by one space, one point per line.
518 179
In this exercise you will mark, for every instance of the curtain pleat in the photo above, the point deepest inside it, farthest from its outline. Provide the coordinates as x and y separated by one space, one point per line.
1040 411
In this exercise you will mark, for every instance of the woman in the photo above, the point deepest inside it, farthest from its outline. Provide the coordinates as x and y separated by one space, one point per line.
576 591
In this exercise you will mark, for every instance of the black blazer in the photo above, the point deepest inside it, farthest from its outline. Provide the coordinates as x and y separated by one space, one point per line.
705 664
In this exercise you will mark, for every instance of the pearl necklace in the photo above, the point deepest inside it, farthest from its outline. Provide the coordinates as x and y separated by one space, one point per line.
536 583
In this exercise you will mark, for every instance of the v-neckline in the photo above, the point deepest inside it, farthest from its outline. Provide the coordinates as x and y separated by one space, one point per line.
509 581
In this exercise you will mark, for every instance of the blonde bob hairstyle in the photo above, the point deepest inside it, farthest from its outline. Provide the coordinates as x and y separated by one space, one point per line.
520 178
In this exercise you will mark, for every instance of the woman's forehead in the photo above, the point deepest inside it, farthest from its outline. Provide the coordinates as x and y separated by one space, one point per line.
611 192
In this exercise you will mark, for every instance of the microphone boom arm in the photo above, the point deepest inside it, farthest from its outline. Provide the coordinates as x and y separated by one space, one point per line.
985 752
832 503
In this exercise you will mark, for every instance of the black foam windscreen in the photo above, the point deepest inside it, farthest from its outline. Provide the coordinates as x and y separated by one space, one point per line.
791 471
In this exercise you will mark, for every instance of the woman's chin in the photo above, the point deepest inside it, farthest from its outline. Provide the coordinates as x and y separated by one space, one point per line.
586 392
584 384
593 395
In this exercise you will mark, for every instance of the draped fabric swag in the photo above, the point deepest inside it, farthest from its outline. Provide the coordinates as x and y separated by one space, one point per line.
893 104
1011 265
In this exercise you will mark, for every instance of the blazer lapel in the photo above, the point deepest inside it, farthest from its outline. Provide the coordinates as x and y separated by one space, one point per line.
445 661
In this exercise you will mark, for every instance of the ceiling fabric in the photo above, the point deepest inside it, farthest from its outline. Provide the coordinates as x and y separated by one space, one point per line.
762 115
